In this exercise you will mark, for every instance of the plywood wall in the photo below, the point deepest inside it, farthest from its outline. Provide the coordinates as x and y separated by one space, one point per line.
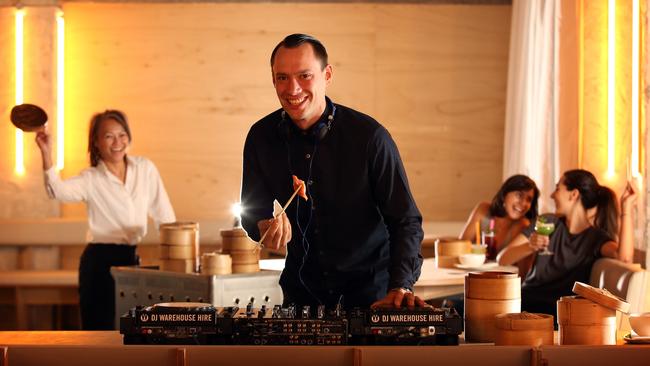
194 77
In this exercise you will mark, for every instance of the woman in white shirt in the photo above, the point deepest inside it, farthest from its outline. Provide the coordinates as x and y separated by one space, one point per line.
120 191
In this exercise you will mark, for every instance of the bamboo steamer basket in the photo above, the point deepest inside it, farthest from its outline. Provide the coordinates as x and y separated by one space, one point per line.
245 268
245 252
244 256
488 294
447 251
178 265
245 261
582 321
493 285
590 318
236 239
524 329
184 233
179 233
176 251
445 261
216 264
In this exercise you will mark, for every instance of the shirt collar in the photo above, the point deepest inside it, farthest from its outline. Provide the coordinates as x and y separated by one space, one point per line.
101 166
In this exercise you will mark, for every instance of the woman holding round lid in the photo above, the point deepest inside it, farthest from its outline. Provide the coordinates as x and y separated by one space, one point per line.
513 208
586 228
120 191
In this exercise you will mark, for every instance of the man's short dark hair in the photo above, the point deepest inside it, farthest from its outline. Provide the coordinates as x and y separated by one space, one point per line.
296 40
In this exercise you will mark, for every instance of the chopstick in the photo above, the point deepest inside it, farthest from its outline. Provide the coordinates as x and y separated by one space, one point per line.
280 213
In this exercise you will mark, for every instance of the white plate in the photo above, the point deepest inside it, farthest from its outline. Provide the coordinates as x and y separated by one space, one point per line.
482 267
636 339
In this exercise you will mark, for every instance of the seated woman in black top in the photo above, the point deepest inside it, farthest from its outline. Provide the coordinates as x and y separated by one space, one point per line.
586 228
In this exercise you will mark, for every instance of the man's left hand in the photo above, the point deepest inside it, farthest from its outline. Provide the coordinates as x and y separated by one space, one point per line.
400 297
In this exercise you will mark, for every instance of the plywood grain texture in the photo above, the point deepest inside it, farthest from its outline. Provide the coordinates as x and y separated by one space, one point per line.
192 78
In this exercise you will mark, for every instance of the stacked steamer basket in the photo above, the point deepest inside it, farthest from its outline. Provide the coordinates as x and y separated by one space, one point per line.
216 264
488 294
524 329
245 252
590 318
179 247
447 251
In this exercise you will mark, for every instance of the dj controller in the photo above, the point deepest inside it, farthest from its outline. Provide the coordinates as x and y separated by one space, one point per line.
204 324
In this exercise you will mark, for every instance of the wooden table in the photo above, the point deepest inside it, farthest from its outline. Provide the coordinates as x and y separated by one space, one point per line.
105 348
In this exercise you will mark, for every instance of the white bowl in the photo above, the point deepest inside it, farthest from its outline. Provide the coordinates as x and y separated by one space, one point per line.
640 323
471 259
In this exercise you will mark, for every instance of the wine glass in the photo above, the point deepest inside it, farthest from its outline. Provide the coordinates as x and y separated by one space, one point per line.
544 227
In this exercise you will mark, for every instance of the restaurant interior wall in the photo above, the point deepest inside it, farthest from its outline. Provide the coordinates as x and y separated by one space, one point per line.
193 77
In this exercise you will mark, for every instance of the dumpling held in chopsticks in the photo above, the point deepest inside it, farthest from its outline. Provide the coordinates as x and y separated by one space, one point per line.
300 183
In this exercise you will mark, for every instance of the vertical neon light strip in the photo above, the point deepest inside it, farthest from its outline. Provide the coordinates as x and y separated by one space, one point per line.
60 32
635 90
611 86
20 158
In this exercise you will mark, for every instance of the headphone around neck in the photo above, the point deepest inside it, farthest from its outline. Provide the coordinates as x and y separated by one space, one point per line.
317 132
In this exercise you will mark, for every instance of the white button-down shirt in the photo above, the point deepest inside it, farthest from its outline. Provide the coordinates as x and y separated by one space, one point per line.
117 212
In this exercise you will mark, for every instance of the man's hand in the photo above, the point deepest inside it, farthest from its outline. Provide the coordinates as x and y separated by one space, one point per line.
399 297
279 231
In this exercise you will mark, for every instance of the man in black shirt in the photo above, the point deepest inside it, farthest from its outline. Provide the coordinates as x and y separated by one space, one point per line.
356 240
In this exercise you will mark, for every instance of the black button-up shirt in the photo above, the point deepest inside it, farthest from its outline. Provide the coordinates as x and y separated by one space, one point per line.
360 232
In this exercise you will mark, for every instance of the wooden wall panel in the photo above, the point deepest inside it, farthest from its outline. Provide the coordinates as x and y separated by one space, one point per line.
441 80
6 89
23 196
193 77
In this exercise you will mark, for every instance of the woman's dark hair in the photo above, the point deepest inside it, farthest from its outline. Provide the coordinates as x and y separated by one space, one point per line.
296 40
592 195
95 123
515 183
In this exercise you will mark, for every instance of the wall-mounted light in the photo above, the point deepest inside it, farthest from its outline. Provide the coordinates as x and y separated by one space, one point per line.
19 31
60 33
611 86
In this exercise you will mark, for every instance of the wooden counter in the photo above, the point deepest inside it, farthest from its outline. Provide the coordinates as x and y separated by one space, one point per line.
105 348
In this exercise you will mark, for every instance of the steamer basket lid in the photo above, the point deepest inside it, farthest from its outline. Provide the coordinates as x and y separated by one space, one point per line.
234 232
524 321
601 297
180 225
492 275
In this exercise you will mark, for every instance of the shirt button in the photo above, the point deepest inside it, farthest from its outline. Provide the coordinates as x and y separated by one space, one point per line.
307 156
310 182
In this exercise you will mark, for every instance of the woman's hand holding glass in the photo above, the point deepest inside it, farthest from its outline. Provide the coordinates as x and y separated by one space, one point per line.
540 239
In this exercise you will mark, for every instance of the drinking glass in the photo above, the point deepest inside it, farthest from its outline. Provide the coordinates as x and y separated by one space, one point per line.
546 228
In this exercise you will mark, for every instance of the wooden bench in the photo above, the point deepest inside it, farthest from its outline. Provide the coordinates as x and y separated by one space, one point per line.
25 288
